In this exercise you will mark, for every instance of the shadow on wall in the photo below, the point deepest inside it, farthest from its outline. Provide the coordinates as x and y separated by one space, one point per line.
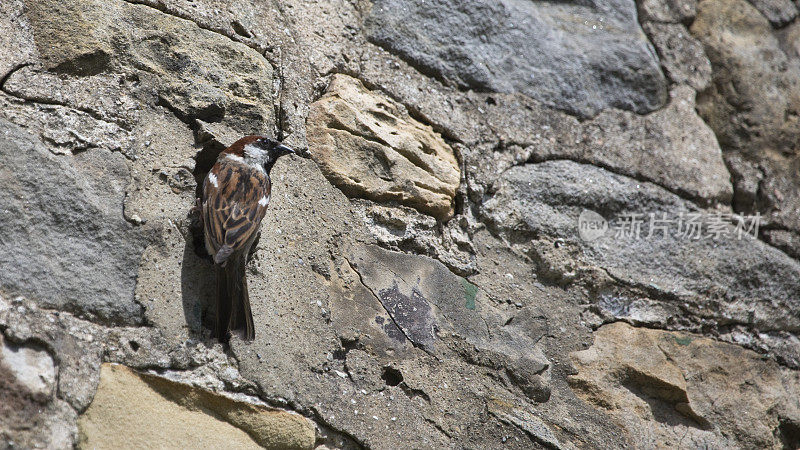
198 281
197 284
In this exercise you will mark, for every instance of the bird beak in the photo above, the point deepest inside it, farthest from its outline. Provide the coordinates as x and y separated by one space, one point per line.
282 149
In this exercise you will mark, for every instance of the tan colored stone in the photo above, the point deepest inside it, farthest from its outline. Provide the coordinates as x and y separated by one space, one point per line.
199 74
669 389
369 146
753 106
133 410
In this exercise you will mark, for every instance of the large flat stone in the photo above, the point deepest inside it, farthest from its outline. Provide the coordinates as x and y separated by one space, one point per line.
65 242
196 73
579 58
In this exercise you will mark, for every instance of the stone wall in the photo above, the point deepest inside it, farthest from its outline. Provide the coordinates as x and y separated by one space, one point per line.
421 280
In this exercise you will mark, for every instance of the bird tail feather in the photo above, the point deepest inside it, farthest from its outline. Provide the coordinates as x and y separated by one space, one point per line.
233 301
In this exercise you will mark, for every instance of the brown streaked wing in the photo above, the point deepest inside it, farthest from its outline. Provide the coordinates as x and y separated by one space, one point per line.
233 204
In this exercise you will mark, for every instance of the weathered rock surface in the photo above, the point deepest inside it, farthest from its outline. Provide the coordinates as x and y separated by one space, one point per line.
420 280
667 11
750 103
682 56
368 146
673 389
752 106
579 58
679 277
779 12
141 410
31 367
197 73
65 242
671 147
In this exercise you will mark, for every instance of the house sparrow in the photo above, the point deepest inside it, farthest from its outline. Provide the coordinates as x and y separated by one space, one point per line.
235 197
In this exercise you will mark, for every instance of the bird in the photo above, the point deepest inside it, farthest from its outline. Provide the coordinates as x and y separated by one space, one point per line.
236 192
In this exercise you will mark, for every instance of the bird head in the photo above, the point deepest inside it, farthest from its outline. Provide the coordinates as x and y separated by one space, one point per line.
259 151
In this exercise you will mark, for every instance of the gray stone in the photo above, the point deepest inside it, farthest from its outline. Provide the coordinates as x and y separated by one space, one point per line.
778 12
577 58
197 74
681 55
404 229
532 425
668 11
671 147
16 41
725 279
421 295
66 243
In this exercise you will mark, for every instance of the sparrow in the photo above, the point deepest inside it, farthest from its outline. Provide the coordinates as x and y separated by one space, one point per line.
236 193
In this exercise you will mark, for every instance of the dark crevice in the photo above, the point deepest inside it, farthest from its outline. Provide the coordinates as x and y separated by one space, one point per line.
239 29
438 427
391 376
346 346
280 120
668 404
413 393
14 70
788 432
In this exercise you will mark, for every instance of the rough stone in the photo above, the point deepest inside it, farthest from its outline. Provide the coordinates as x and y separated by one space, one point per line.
16 39
752 107
404 229
778 12
721 279
198 74
577 58
682 56
31 367
673 389
368 146
146 411
756 87
671 147
422 297
667 11
66 242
